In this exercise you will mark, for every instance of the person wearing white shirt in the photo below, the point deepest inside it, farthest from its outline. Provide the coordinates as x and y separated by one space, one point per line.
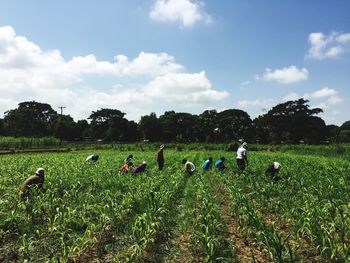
241 158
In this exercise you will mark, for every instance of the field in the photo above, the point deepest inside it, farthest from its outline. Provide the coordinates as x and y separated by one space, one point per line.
90 213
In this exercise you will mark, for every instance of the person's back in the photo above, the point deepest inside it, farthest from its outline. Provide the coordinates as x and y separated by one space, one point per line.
207 164
92 158
189 166
273 171
139 168
241 153
241 158
37 179
219 164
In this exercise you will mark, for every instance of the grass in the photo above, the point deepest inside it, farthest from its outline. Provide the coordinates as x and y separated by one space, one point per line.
91 212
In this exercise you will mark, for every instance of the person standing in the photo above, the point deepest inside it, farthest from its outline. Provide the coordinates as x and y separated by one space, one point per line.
241 158
160 157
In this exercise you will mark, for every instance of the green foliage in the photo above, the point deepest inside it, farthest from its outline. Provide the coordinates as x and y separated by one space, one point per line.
90 211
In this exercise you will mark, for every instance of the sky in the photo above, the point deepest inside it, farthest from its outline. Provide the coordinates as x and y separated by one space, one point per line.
146 56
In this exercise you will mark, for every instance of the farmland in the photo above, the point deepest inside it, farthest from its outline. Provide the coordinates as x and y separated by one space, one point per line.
88 212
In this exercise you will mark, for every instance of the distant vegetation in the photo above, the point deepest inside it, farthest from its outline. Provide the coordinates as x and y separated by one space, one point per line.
292 122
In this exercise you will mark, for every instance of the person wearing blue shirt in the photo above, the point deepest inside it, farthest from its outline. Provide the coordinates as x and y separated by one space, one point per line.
206 166
219 164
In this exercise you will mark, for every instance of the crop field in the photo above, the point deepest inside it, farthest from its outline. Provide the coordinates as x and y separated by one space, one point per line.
91 213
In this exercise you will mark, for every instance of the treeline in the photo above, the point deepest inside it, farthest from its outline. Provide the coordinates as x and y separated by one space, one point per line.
289 122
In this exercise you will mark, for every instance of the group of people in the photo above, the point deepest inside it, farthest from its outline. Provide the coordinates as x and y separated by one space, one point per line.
241 159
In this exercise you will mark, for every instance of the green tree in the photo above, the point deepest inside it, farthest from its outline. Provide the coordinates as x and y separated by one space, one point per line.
64 127
150 127
233 124
293 121
108 124
29 119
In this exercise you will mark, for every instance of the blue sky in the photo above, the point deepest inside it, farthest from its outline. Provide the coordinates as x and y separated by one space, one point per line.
184 55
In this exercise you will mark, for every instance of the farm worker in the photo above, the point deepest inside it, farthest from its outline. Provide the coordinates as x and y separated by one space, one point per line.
128 160
37 179
160 157
125 167
206 166
273 170
241 158
189 167
219 164
127 163
139 168
92 158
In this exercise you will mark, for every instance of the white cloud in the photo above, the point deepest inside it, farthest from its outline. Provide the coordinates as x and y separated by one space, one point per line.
331 46
187 12
185 88
324 92
286 75
291 96
84 83
261 103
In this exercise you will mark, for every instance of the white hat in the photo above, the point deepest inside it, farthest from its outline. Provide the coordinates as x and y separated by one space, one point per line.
162 146
144 162
277 165
244 144
40 171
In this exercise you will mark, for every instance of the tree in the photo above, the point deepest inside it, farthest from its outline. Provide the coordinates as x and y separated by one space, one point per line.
64 127
29 119
293 121
81 127
2 130
233 124
345 126
150 127
205 126
332 133
108 124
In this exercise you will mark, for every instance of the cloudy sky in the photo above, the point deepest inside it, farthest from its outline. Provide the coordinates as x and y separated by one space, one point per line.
145 56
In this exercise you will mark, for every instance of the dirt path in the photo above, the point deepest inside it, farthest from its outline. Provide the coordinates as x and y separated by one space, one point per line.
182 245
246 249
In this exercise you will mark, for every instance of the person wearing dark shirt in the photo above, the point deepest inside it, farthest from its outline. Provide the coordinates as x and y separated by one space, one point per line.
160 157
92 158
273 171
139 168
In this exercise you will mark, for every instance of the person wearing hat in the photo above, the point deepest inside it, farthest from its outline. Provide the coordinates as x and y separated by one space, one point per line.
139 168
160 157
219 164
241 158
37 179
189 166
92 158
273 171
